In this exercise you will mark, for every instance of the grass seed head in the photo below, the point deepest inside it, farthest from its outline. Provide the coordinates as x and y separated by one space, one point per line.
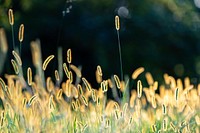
57 76
153 127
117 81
117 23
99 70
29 76
76 70
137 72
149 78
69 56
46 62
15 66
32 100
139 89
11 17
21 33
17 57
87 85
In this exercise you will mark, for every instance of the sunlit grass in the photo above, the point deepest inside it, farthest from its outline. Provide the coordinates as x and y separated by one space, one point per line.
51 104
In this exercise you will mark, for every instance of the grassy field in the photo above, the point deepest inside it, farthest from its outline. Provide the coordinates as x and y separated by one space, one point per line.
36 103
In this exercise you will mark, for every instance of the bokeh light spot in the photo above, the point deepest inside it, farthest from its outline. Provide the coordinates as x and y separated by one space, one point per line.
197 3
123 12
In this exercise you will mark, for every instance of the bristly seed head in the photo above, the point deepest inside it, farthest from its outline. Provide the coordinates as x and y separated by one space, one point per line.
99 70
15 66
46 62
29 76
69 56
117 23
11 16
139 88
117 81
21 33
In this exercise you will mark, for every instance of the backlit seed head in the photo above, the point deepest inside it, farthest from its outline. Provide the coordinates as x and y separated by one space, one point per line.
176 94
11 16
164 125
154 105
149 78
173 126
17 57
137 72
15 66
164 109
87 85
84 100
29 76
57 75
99 70
117 81
139 88
21 33
59 94
153 127
76 70
66 70
46 62
117 23
69 56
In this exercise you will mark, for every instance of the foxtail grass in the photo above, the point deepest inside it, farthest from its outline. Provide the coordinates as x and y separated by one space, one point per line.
11 21
117 26
43 104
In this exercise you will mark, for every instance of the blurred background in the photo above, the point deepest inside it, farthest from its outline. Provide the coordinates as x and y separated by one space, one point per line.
161 35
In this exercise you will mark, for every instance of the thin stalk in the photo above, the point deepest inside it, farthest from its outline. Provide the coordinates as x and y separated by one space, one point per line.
120 56
117 26
20 49
13 39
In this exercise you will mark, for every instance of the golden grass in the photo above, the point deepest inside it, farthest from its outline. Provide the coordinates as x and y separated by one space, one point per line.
66 70
11 17
45 104
17 57
86 83
149 78
46 62
117 23
154 129
21 33
32 100
99 70
57 75
15 66
76 70
69 56
137 72
117 81
3 85
29 76
139 89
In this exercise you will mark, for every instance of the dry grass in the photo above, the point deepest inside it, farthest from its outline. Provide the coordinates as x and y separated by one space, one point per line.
72 107
46 62
42 104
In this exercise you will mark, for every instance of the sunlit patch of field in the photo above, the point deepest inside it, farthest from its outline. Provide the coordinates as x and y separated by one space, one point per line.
51 104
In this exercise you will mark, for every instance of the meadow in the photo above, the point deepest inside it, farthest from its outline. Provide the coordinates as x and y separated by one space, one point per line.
32 102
